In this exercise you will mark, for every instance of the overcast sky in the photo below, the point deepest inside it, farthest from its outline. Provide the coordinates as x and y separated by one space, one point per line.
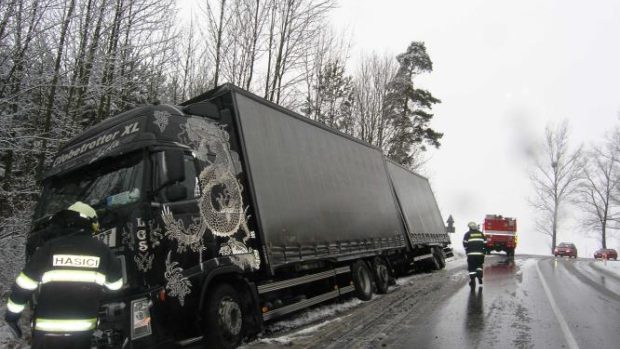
503 69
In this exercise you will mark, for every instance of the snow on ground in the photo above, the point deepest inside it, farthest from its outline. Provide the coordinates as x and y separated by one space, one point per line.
308 322
408 280
312 315
290 338
610 266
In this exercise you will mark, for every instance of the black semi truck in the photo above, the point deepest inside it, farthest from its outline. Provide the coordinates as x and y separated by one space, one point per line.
228 211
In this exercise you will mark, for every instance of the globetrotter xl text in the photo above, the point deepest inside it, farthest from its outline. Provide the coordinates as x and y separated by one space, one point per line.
95 143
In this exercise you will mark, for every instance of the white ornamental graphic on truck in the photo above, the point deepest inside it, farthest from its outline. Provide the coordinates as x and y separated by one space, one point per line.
226 216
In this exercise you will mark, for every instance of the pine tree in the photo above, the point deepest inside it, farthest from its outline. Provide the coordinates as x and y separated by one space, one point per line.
408 107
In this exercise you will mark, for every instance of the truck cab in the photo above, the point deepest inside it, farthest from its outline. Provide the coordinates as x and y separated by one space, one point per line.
500 233
152 174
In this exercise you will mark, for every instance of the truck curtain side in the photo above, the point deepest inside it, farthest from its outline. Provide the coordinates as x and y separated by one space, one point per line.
229 211
318 193
423 222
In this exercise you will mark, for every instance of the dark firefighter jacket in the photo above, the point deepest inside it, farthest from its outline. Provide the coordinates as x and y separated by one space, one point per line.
473 241
70 273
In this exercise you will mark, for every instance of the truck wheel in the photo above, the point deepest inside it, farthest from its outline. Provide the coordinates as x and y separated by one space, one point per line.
439 258
362 280
224 317
382 275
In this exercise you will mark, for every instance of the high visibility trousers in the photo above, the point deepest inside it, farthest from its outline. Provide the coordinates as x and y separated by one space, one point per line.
55 340
474 265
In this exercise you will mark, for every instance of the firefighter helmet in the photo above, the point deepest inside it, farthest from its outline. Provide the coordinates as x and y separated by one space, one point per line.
86 212
472 225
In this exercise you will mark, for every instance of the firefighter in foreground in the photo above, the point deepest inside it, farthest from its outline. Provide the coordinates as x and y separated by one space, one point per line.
70 272
474 241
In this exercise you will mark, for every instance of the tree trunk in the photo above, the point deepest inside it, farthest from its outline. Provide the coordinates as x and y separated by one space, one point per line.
218 44
554 227
86 68
108 73
253 50
280 52
47 123
269 48
124 54
79 62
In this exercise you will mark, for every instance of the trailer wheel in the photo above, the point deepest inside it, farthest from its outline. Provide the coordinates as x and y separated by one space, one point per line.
362 280
439 260
224 317
382 275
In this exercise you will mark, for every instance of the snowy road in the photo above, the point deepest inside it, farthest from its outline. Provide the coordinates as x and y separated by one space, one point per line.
528 302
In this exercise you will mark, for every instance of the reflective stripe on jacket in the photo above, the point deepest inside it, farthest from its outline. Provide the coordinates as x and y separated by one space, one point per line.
474 241
69 273
65 325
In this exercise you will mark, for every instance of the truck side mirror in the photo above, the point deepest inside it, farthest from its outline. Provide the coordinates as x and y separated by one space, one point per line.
176 192
174 166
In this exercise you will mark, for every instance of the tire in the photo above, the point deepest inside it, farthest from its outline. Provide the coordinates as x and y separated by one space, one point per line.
382 275
439 258
362 280
224 317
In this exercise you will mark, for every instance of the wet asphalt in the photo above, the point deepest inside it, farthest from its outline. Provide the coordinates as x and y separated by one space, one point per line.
526 302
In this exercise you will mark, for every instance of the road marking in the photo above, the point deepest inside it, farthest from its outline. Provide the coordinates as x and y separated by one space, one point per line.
570 340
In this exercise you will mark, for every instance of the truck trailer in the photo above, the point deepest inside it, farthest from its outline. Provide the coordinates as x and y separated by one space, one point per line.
228 211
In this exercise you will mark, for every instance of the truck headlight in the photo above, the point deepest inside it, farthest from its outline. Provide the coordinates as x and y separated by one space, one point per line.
140 318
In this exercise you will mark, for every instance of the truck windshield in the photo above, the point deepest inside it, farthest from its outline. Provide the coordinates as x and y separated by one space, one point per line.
109 182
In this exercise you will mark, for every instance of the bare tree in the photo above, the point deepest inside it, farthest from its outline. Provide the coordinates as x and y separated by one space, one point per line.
555 175
47 119
370 93
294 27
56 69
329 49
601 180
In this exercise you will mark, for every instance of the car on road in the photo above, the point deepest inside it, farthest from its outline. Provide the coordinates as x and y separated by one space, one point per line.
565 249
607 253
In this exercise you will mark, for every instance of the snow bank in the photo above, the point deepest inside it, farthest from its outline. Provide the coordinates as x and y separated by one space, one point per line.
307 322
609 266
313 315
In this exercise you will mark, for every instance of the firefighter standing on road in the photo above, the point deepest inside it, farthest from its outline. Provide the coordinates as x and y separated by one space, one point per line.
473 241
70 272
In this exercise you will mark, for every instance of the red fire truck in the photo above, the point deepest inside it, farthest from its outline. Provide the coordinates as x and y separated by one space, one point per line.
501 234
